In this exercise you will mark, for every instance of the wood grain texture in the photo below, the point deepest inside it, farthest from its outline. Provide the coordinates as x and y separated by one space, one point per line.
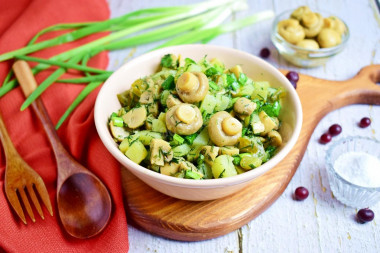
193 221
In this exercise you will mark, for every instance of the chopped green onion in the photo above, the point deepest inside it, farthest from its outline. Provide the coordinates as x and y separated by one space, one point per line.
190 138
236 160
167 61
272 109
213 85
178 139
168 84
189 61
211 71
117 121
242 79
232 82
192 175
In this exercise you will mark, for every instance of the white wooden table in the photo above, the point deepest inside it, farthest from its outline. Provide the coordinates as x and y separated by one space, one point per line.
320 223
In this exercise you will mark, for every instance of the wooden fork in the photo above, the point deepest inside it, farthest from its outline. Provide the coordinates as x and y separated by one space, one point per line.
21 178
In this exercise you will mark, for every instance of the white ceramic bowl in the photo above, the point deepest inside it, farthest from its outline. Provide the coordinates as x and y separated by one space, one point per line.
197 190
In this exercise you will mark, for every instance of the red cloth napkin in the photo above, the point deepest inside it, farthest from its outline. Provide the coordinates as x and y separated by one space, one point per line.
20 21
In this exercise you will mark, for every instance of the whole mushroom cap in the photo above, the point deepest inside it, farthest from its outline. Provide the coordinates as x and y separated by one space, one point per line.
224 129
329 38
192 87
291 30
184 119
308 44
314 23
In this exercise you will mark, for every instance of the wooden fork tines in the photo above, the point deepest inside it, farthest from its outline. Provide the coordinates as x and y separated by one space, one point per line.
21 180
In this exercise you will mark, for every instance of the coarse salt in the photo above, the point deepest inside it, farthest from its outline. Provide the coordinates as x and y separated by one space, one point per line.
359 168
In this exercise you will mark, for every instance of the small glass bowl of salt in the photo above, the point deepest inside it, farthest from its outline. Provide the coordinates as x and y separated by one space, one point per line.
353 169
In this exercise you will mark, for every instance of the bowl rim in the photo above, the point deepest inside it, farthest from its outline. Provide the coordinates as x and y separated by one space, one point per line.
207 183
330 165
329 50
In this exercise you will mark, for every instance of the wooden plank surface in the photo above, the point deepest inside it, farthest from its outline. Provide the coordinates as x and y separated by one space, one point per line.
320 223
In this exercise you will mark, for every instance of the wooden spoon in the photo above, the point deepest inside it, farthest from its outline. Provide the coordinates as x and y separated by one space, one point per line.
84 203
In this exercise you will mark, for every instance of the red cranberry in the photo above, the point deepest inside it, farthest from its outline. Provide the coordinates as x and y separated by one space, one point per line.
365 122
335 129
365 215
301 193
325 138
265 53
292 76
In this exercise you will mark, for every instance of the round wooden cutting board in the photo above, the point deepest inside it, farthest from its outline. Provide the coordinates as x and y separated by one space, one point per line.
194 221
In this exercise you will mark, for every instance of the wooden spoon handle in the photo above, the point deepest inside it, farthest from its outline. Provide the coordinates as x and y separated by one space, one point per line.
28 85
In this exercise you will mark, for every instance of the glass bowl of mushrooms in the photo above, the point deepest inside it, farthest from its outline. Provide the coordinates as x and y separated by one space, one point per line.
308 38
154 120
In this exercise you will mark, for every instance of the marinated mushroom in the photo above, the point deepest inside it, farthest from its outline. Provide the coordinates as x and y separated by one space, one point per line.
308 44
210 153
329 38
160 152
275 138
244 107
224 129
299 12
184 119
313 23
188 166
291 30
135 117
147 97
172 101
268 122
192 87
119 133
228 150
169 168
334 23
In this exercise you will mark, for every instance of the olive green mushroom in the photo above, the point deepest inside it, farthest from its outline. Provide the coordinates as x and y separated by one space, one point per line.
184 119
291 30
160 152
244 107
224 129
329 38
299 12
135 117
312 23
308 44
192 87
